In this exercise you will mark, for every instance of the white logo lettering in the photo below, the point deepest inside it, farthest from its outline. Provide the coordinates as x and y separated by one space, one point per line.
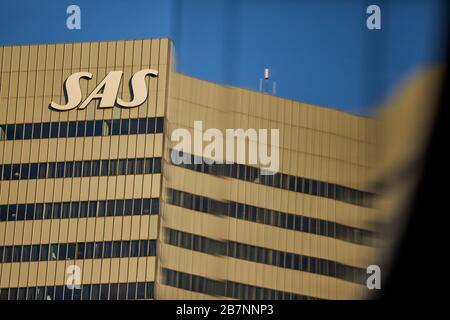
374 280
213 152
74 278
374 20
74 20
106 90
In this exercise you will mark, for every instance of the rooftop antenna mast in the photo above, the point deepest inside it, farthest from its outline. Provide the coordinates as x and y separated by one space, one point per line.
264 83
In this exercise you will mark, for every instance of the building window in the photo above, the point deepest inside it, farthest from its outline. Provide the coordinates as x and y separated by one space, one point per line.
54 126
62 130
124 129
72 129
45 130
151 123
115 127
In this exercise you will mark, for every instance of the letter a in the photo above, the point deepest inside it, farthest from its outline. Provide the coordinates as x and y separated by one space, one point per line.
110 86
74 20
74 278
374 20
374 280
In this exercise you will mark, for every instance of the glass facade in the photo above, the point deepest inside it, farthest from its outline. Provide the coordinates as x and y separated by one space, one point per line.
96 189
79 188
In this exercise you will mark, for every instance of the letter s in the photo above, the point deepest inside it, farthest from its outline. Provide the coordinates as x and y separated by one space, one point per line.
138 88
72 91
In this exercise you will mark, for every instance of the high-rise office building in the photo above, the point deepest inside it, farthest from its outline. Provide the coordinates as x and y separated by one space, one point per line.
89 189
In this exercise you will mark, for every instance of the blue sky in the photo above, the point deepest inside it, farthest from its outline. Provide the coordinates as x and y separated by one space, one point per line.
318 51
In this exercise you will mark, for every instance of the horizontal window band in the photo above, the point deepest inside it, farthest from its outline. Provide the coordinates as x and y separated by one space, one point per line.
79 209
278 180
82 168
82 128
225 288
271 217
267 256
78 251
108 291
302 223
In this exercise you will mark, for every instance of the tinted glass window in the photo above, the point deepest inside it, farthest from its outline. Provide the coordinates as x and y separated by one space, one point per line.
72 129
21 212
45 130
159 124
51 170
57 207
116 127
69 169
125 249
33 170
92 209
15 172
137 206
133 126
95 170
44 252
157 165
62 254
89 128
107 250
74 210
42 171
107 125
86 292
112 167
116 249
10 132
139 166
28 131
151 124
130 166
110 208
128 207
60 170
142 123
122 167
104 168
39 211
80 248
48 210
24 172
37 130
78 168
86 168
148 166
119 207
101 208
84 209
98 250
63 129
3 212
89 251
146 206
54 126
6 172
134 248
19 132
98 127
81 127
124 126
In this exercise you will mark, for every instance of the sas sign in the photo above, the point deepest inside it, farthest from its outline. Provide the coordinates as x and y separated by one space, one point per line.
106 90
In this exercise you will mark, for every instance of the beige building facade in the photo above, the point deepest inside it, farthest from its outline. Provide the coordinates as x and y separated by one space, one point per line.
93 195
